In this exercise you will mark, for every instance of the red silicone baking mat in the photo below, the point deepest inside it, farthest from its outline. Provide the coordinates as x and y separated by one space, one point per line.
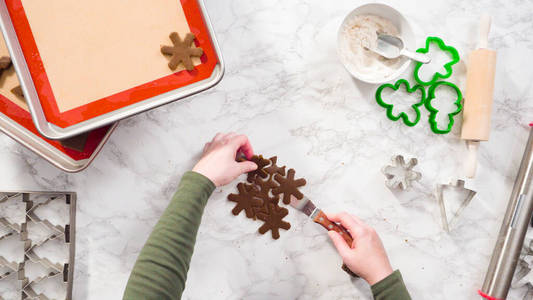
23 118
26 22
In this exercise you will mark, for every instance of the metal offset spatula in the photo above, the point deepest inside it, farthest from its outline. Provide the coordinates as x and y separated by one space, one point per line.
390 47
318 216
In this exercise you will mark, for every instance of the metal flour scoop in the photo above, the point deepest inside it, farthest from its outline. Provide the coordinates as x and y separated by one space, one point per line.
390 47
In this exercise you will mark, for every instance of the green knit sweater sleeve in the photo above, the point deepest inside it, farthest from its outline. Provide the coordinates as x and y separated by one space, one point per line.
161 268
391 288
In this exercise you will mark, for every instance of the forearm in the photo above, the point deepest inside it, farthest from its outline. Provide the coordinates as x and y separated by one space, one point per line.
391 288
161 268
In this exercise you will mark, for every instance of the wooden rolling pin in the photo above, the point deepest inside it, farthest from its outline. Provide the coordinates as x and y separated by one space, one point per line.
478 99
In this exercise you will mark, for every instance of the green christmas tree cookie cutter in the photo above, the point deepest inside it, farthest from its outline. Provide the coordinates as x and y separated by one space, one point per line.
389 107
448 66
433 111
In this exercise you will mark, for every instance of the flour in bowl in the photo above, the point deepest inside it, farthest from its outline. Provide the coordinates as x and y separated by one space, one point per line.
359 33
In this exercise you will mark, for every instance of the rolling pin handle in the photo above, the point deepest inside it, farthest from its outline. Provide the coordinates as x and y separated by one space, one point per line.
471 160
484 28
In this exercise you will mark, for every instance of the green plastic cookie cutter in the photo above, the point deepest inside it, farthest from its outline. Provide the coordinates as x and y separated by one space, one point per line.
448 66
389 107
433 111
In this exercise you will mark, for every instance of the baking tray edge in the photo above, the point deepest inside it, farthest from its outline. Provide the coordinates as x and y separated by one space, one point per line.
54 132
45 150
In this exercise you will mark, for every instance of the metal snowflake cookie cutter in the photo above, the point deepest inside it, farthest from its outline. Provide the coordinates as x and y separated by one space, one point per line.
401 174
451 214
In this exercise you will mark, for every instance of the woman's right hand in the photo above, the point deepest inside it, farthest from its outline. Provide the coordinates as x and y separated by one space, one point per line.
366 257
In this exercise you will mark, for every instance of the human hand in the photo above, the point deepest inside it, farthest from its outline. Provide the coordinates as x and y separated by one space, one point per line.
218 158
366 257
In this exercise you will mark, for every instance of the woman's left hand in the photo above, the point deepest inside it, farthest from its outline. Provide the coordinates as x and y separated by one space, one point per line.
218 159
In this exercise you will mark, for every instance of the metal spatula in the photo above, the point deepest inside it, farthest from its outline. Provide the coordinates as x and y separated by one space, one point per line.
390 47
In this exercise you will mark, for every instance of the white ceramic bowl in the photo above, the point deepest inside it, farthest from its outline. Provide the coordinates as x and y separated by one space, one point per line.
405 32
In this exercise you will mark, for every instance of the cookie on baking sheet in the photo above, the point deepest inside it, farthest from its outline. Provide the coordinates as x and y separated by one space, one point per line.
182 51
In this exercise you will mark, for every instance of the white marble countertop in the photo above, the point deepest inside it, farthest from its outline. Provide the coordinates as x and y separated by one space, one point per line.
286 89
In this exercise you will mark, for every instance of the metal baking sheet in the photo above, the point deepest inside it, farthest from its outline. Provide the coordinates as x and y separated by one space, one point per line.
25 25
52 151
16 122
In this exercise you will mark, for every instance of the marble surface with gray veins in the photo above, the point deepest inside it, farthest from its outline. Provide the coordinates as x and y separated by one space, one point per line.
285 88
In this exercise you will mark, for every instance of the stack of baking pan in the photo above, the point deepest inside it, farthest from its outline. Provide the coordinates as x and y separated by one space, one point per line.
79 67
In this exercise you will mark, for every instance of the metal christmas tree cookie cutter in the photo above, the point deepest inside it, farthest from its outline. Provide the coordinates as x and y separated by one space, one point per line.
64 271
448 219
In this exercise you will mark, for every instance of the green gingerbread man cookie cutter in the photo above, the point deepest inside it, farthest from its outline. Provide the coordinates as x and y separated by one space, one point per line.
448 66
389 107
433 111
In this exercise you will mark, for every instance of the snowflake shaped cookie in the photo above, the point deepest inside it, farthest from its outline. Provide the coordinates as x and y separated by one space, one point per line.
182 51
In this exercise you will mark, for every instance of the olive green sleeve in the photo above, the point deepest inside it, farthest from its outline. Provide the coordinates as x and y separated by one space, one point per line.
161 268
391 288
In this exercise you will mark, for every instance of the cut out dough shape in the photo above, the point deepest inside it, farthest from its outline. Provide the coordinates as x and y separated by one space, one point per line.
245 200
274 220
259 172
181 51
264 187
274 168
258 199
288 186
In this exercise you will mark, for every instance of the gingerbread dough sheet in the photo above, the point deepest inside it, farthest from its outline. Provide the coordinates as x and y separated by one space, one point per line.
9 80
94 49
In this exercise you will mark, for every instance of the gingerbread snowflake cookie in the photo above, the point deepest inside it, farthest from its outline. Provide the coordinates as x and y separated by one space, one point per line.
245 199
260 171
288 186
260 197
274 220
182 51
